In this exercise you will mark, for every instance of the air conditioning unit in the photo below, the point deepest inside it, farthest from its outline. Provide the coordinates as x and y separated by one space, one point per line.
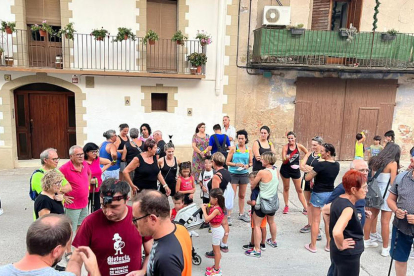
276 16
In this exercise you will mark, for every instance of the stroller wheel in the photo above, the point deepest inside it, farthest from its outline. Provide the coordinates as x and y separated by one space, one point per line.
196 259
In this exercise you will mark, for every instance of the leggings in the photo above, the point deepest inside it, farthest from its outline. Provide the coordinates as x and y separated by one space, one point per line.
346 265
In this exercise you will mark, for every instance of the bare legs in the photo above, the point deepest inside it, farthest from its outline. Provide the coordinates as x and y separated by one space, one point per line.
369 222
225 224
258 237
296 182
316 220
242 194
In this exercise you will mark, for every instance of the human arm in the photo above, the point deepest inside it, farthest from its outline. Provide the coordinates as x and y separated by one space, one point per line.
393 171
302 165
112 150
302 148
200 181
131 167
257 179
363 138
392 204
105 162
272 147
255 150
338 230
310 175
250 159
83 254
66 187
284 153
163 183
43 212
227 142
160 163
147 249
208 217
124 153
178 185
230 158
215 182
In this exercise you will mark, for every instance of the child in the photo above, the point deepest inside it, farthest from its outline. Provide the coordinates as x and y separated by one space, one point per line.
215 217
204 178
376 148
185 183
252 202
178 200
359 146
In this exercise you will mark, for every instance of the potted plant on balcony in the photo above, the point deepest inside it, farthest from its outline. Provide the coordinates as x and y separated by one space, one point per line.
197 60
204 37
43 29
68 31
349 34
179 38
99 34
390 35
124 34
297 30
150 37
8 27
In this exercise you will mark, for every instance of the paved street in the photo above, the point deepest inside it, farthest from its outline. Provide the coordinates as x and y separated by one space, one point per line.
290 258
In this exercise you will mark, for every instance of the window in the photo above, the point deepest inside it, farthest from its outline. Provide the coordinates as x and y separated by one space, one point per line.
159 101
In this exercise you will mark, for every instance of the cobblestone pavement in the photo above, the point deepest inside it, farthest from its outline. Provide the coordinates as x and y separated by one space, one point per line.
289 258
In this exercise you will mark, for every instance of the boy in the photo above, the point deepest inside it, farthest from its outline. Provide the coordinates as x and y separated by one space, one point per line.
252 202
178 200
376 148
359 146
204 178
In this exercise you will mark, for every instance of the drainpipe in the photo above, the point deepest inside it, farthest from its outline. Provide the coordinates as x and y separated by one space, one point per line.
221 26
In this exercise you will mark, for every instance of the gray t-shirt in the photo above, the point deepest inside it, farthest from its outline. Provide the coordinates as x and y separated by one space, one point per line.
10 270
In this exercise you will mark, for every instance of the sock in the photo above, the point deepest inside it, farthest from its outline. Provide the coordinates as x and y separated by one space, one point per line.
223 244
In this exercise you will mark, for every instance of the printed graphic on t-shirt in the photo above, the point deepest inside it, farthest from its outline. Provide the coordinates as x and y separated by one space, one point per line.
117 259
294 157
151 260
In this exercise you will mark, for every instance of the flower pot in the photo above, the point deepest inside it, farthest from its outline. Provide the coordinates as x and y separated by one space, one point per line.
9 61
8 30
179 42
100 38
125 37
297 31
42 33
151 42
193 70
199 70
203 44
388 37
343 33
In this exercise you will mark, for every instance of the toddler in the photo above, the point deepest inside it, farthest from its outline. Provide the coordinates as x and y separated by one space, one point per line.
185 183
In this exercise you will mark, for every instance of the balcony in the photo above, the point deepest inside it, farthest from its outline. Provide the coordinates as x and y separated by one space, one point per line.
320 50
28 51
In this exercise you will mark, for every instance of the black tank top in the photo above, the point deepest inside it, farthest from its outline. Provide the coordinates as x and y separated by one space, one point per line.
122 144
146 174
225 179
132 150
294 160
312 160
169 173
257 165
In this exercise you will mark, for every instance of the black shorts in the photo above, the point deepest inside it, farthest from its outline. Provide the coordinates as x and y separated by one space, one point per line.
287 172
260 214
307 187
187 200
172 188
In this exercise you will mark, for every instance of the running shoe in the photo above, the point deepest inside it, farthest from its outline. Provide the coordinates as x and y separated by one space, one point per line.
209 229
376 237
305 229
224 248
319 237
253 253
248 246
229 221
370 243
263 247
213 272
286 210
271 243
305 212
210 254
385 252
210 268
244 217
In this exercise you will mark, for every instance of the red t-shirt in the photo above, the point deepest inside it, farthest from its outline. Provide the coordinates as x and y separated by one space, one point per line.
117 245
186 183
79 182
173 214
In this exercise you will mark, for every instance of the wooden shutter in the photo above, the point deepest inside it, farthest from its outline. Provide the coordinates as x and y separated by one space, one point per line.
321 14
39 10
355 13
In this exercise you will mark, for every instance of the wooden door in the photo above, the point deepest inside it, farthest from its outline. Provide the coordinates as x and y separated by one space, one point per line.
44 50
44 119
368 122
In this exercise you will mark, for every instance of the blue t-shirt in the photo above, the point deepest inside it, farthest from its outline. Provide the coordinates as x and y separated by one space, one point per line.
220 138
359 205
10 270
255 193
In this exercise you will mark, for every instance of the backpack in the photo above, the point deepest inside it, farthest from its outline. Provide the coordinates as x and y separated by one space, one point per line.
33 194
221 148
374 199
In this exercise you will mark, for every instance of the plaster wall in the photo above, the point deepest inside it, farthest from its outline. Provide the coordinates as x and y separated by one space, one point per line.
5 10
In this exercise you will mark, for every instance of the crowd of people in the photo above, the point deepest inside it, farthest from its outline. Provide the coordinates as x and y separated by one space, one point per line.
83 204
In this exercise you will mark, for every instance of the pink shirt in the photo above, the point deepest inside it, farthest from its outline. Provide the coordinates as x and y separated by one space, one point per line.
79 182
186 183
96 171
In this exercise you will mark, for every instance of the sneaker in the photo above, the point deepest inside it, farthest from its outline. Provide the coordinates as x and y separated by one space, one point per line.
248 246
376 237
370 243
286 210
305 212
253 253
210 268
209 229
204 225
214 272
210 254
271 243
305 229
319 237
263 247
229 221
244 217
224 248
385 252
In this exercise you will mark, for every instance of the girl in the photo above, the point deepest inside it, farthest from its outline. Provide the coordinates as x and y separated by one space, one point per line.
215 217
185 183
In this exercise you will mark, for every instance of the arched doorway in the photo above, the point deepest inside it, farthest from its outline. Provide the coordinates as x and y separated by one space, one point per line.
45 117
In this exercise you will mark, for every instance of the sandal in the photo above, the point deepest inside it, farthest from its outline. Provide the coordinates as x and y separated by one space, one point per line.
307 246
67 256
327 249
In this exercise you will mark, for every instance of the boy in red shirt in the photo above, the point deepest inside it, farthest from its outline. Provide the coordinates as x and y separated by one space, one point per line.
178 200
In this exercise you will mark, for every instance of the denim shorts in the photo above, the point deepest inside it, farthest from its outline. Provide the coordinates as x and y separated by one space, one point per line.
402 248
319 199
110 174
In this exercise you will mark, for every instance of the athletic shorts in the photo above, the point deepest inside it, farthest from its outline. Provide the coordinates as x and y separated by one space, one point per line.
260 214
305 185
76 216
287 172
122 166
402 250
319 199
217 235
239 178
262 224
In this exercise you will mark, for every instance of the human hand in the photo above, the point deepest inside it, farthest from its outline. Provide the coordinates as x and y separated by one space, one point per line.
134 189
368 214
203 206
137 273
204 189
68 199
410 219
401 213
59 197
258 158
191 196
89 259
202 154
346 244
167 191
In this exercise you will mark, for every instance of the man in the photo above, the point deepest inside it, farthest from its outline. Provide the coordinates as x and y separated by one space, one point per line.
111 235
46 241
78 174
229 130
160 144
358 165
401 202
171 252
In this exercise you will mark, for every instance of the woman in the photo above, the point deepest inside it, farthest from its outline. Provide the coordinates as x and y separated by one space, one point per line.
121 139
239 159
345 228
146 170
220 180
168 166
94 161
145 132
290 169
199 143
134 146
387 161
306 166
261 146
108 150
323 173
47 202
268 181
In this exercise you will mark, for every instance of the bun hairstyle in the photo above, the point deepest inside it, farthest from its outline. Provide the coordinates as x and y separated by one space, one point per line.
267 129
242 132
330 148
109 133
168 146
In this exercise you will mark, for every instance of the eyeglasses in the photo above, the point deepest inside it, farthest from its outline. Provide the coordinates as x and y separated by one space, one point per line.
58 183
80 155
54 159
135 220
94 151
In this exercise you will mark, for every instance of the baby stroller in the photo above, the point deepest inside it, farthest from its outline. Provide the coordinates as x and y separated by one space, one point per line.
191 217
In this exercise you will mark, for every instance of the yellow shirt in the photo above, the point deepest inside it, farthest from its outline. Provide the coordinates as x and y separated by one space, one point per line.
359 149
